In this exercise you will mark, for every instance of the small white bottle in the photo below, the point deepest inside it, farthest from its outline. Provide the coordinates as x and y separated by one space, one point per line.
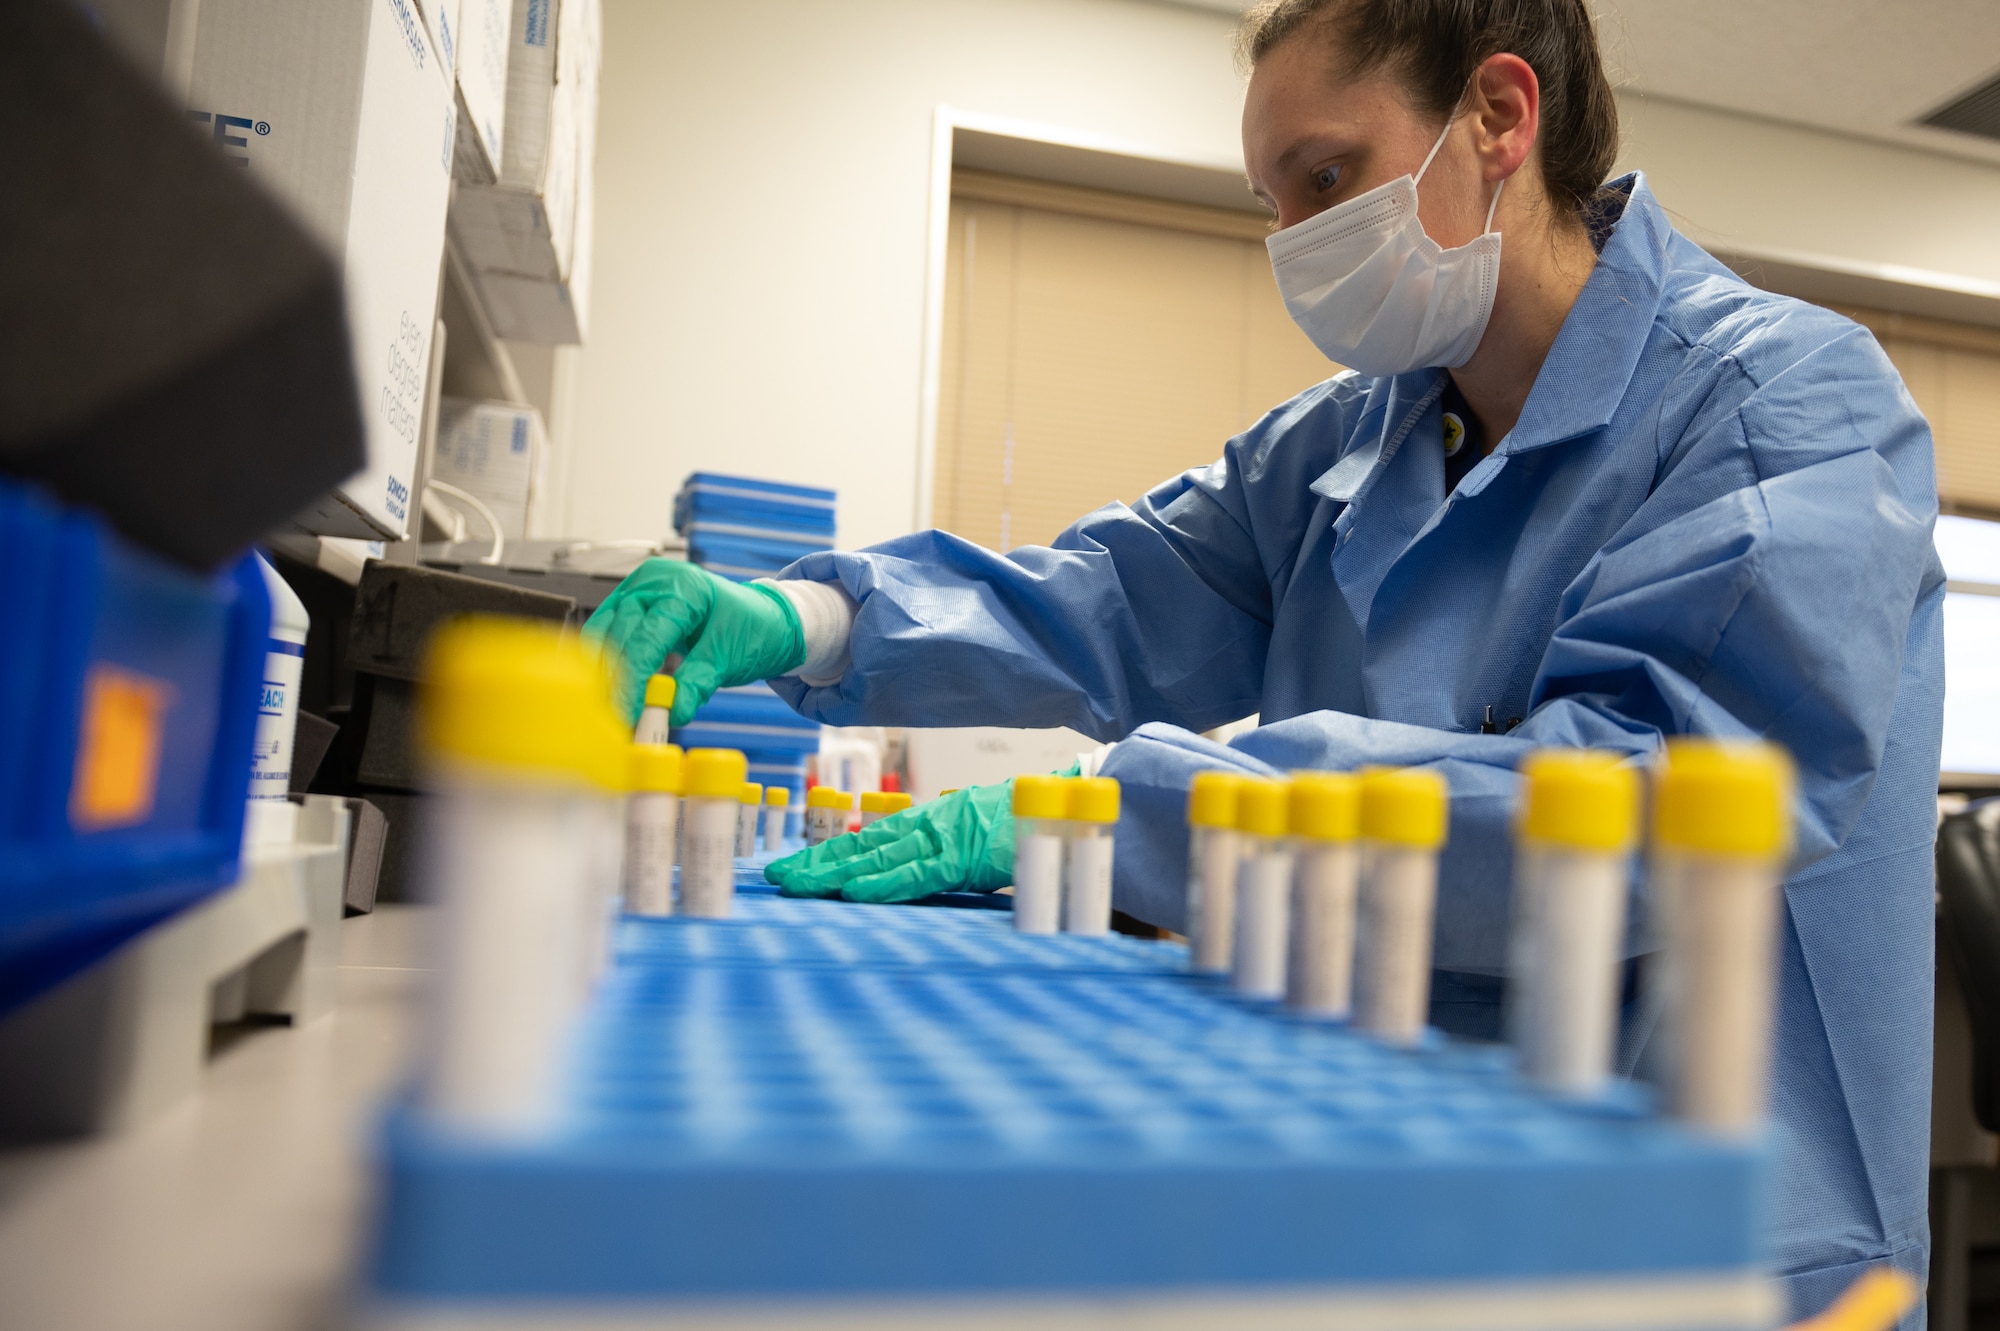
1263 888
1722 828
524 756
826 814
1041 821
1579 821
652 822
1214 848
777 801
658 708
1404 813
1092 808
270 815
1325 819
750 804
708 814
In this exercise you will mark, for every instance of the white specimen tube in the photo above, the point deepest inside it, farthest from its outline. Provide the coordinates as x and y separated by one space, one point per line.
874 805
1041 809
1092 806
1263 889
750 804
714 794
1579 822
658 708
1213 850
524 755
777 799
652 821
826 814
1403 818
1721 830
1325 820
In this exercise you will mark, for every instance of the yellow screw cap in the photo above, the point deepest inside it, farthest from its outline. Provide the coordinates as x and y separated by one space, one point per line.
716 774
895 801
521 697
1581 799
1404 806
1040 797
1093 799
1724 798
752 793
1212 799
660 690
1263 807
1326 806
948 790
777 797
873 801
659 768
826 797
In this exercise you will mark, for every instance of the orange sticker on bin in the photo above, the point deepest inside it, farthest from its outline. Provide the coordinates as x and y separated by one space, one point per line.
118 748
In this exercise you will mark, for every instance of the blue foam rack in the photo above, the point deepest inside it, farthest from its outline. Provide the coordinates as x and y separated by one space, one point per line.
922 1118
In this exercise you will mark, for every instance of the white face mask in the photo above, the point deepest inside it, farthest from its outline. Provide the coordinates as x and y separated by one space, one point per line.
1375 293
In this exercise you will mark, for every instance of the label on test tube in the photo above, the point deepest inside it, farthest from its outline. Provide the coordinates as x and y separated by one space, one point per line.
826 814
714 794
657 711
1403 819
1213 851
1041 816
1263 888
750 805
1579 822
1325 820
1093 812
1722 827
652 821
777 799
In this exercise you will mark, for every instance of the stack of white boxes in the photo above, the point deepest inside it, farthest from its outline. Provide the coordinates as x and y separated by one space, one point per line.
496 452
527 234
344 109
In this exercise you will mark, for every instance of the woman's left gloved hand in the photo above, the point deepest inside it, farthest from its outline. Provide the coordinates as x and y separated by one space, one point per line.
961 842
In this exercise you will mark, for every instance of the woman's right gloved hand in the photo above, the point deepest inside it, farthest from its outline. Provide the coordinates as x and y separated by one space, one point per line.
727 633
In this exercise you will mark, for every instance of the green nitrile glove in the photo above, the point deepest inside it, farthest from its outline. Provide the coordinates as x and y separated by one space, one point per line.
961 842
727 632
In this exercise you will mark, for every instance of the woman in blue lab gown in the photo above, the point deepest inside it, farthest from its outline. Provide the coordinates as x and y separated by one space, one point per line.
1710 515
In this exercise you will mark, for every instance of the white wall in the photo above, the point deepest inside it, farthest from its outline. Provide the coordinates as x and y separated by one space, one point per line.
763 202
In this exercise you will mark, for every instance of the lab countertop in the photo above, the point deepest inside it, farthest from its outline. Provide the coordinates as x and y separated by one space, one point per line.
243 1206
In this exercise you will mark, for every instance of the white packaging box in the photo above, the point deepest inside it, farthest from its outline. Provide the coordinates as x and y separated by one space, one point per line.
498 453
441 21
342 109
483 48
526 235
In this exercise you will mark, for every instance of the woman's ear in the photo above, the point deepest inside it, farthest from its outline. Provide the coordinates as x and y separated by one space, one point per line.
1506 110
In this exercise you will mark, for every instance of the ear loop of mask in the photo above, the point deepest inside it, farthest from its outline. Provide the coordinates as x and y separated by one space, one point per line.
1418 179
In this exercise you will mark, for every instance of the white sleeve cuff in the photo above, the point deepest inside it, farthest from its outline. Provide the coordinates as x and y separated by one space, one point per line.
1091 763
826 614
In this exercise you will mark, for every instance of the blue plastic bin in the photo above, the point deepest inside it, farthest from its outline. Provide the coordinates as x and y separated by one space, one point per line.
128 701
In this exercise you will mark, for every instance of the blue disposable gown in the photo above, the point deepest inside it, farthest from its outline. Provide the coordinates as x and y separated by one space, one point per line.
1713 517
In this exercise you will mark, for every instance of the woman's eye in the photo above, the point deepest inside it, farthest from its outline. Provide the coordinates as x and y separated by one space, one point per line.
1326 177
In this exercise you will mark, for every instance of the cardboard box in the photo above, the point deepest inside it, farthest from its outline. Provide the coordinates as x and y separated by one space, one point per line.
524 234
343 109
483 48
441 21
497 452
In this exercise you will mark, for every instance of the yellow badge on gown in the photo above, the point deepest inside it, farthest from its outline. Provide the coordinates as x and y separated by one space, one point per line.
1454 434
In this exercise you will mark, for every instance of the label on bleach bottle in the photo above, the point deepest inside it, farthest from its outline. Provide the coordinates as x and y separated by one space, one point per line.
277 720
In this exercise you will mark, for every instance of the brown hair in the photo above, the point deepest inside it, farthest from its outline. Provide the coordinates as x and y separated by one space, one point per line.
1432 48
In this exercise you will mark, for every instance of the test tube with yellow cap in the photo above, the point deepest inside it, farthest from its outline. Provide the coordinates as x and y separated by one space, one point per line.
1722 828
708 867
749 806
525 757
1403 820
1263 887
1041 824
1092 809
657 709
1325 820
1213 850
1579 822
826 814
874 806
777 799
652 821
